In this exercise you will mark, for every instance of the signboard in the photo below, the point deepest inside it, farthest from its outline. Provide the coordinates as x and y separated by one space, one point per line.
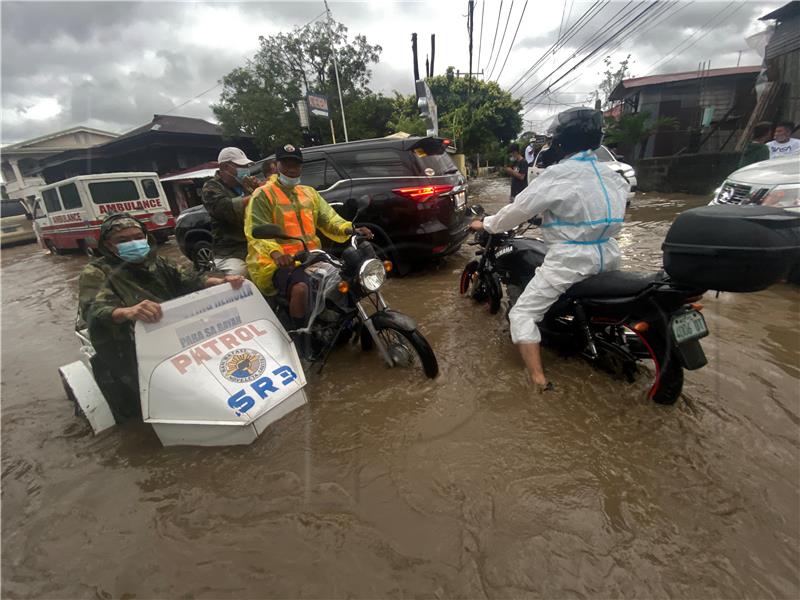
318 105
218 366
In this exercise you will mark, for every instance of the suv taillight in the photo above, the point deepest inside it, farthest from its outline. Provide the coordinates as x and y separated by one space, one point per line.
422 193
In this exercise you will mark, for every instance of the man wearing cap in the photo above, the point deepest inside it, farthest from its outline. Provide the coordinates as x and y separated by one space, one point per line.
126 284
225 195
299 210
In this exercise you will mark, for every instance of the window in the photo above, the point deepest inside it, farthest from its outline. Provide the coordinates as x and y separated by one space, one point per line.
70 197
12 208
150 188
314 174
374 163
441 164
603 154
51 201
331 175
104 192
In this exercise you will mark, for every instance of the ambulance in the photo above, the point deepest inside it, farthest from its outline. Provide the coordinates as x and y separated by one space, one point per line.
69 213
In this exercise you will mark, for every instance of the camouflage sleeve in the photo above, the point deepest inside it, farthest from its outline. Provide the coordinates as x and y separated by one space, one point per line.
329 222
186 278
96 301
220 205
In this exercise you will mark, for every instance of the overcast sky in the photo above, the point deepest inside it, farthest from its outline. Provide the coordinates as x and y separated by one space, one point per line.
112 65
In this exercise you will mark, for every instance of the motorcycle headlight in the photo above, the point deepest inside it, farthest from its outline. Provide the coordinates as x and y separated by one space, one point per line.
629 173
371 275
160 218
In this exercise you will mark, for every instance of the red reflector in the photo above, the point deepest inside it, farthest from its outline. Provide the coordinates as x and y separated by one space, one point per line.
437 249
446 142
422 192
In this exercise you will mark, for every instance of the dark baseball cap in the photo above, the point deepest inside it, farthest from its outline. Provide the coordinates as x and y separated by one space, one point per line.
288 151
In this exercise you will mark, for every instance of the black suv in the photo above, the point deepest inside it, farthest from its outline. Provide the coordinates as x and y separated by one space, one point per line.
419 197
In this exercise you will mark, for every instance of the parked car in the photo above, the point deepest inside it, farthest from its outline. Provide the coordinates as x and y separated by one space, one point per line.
774 182
419 197
16 224
604 155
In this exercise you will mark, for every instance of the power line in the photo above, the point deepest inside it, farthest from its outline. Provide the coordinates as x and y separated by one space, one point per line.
605 27
480 38
655 19
524 6
605 42
672 54
576 27
496 27
503 39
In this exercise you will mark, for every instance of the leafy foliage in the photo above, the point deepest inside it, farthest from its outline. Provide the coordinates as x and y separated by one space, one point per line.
636 128
612 76
259 98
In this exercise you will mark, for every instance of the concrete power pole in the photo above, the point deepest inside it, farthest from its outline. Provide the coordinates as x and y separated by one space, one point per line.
336 70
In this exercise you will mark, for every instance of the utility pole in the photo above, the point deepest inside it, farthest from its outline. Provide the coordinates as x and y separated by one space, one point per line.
336 70
470 10
414 53
433 52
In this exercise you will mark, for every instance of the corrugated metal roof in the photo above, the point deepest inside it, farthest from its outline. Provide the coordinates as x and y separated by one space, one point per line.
637 82
791 9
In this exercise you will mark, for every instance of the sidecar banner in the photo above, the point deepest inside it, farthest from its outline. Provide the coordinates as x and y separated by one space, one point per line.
217 357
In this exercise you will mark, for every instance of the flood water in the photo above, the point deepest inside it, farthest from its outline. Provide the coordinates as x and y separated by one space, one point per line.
386 486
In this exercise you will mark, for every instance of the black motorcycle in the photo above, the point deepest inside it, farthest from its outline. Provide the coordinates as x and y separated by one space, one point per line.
340 288
614 319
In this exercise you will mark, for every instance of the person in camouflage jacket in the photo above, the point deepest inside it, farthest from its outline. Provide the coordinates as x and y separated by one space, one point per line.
126 284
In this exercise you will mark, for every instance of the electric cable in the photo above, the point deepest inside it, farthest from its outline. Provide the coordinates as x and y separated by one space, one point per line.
503 39
494 40
524 6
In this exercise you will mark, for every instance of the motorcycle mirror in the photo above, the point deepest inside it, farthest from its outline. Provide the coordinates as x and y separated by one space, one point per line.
477 210
361 203
269 231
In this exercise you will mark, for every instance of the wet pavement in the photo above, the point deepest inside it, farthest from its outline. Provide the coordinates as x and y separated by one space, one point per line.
388 486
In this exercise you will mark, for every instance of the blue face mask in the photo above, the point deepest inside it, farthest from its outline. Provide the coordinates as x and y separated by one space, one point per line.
134 251
288 181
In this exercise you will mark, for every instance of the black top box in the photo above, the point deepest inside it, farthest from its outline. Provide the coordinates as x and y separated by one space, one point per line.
732 248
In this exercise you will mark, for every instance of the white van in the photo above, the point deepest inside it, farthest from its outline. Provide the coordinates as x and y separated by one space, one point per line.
70 212
604 155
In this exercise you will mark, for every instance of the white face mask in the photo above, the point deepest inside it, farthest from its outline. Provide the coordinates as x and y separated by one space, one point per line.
288 181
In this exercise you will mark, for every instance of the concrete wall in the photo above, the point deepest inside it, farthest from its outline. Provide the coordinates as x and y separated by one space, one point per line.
688 173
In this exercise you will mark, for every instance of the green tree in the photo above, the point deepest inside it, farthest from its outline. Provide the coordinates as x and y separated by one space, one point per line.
636 128
259 98
479 115
612 76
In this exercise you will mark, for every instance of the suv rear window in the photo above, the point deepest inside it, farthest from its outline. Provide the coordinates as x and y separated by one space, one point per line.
104 192
441 164
11 208
380 162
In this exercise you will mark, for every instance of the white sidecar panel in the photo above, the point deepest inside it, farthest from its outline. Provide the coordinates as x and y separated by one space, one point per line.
82 389
217 369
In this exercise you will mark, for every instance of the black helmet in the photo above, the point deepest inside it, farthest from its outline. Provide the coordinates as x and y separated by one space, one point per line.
576 129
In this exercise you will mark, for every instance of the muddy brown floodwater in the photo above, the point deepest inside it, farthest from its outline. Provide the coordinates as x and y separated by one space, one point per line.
388 486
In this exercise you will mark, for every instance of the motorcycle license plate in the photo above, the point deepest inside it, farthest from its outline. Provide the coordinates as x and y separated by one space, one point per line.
688 326
460 199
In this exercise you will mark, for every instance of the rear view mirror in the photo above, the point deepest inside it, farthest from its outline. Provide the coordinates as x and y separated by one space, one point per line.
477 210
363 202
268 231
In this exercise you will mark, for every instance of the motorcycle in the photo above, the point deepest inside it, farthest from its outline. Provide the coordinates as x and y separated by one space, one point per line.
614 320
340 288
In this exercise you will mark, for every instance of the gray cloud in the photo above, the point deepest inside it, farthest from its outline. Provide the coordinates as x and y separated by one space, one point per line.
114 64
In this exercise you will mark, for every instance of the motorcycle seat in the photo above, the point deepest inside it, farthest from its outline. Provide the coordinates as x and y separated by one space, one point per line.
612 284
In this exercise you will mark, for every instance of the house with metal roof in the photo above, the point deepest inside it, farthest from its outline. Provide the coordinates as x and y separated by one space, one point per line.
167 143
782 58
709 105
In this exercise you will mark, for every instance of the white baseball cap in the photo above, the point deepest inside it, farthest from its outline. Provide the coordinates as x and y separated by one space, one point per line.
234 155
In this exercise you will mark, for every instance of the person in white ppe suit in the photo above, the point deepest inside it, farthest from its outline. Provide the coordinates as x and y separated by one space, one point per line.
582 205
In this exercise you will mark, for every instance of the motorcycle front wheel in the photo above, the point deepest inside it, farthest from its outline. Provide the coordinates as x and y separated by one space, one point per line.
409 349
